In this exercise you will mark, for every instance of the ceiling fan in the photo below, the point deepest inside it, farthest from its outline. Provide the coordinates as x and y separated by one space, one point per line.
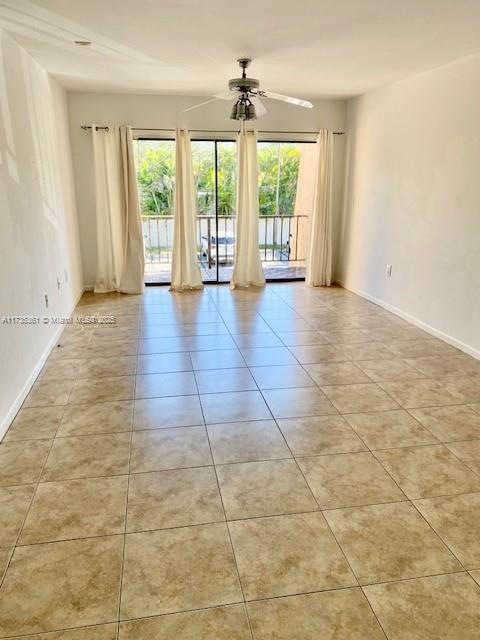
247 93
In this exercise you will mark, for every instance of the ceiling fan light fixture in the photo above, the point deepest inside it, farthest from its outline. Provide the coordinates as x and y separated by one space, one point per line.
241 110
251 113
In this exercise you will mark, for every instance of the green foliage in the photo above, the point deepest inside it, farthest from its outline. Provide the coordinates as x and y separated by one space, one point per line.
156 176
203 157
278 165
226 177
278 172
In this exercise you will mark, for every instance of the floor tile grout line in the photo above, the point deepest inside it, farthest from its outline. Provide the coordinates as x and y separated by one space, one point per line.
344 415
324 361
232 463
374 411
425 446
341 548
446 544
45 634
374 613
263 398
463 462
243 462
122 564
34 493
410 501
325 519
235 520
226 523
281 597
411 578
131 431
66 437
329 526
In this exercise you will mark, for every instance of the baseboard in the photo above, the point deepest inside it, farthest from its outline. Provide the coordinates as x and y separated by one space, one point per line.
17 403
466 348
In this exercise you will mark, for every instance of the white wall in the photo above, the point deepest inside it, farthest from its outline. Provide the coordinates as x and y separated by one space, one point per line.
165 112
38 227
413 200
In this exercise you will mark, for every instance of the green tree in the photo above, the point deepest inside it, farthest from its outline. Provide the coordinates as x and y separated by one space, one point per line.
203 158
156 176
278 174
278 165
226 177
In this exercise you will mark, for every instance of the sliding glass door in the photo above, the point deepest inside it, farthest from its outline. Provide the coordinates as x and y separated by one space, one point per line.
214 168
156 186
286 178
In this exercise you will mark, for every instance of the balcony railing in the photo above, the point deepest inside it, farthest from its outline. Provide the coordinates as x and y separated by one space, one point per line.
281 238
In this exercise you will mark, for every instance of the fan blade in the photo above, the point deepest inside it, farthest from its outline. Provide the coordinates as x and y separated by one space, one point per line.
225 95
196 106
290 100
259 107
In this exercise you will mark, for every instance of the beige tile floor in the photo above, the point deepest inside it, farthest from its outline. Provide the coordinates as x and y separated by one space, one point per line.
282 464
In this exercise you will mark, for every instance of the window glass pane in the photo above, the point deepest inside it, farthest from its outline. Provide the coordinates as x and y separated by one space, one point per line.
284 192
156 176
227 169
278 164
156 186
203 158
226 185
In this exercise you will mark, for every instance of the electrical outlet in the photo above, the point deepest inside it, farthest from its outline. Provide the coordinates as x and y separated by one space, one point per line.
389 270
46 301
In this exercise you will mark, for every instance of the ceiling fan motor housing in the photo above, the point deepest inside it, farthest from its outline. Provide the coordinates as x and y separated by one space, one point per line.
243 84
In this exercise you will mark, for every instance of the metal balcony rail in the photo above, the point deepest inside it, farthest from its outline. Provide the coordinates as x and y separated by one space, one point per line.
281 238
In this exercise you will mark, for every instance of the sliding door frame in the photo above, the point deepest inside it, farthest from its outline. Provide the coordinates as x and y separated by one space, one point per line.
215 141
215 192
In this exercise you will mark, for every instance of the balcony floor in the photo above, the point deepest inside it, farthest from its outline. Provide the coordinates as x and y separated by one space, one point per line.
159 273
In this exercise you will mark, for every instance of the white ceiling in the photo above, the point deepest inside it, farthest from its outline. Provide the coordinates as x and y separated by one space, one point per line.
306 48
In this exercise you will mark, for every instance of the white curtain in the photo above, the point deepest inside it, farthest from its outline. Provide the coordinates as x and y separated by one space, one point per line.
185 269
247 268
120 256
319 259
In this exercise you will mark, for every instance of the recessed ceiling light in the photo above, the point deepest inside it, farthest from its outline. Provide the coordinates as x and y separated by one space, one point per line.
83 43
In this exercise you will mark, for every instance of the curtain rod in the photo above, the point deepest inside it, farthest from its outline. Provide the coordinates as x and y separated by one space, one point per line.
335 133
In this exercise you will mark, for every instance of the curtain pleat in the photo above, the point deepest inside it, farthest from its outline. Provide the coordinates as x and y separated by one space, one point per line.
120 254
134 254
185 270
247 268
319 259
